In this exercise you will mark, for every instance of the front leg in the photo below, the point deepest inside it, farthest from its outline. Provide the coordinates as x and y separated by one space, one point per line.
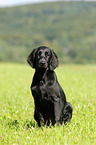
38 117
57 110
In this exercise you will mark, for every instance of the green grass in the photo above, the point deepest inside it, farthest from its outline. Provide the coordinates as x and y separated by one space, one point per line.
17 124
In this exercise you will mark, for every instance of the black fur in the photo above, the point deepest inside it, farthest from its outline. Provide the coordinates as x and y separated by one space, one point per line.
49 98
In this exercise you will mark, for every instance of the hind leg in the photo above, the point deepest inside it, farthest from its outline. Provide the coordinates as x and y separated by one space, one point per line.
67 114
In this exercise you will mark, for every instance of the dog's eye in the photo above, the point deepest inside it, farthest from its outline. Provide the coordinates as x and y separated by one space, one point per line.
46 54
39 53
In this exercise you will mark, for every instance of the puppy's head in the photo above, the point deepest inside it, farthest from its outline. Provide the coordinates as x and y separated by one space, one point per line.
43 58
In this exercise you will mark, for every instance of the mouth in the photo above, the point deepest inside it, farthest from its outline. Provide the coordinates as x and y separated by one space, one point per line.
42 66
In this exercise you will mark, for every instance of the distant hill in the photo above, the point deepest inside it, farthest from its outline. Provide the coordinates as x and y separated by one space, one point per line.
67 27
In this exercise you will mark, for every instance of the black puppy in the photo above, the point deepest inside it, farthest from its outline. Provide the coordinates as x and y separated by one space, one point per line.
50 100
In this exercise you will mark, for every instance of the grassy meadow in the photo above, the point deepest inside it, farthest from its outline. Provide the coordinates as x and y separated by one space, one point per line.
17 124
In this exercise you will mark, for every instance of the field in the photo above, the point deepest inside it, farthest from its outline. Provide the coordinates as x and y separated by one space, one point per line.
17 124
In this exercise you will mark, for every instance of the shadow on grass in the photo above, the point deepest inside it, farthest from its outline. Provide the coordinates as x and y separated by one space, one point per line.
25 124
30 124
13 123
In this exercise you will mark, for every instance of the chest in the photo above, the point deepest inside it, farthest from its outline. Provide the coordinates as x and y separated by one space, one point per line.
46 88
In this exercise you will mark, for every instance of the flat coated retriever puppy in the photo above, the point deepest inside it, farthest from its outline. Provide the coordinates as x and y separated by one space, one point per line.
49 98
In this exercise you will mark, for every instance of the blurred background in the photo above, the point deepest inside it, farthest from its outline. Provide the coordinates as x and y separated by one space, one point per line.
68 27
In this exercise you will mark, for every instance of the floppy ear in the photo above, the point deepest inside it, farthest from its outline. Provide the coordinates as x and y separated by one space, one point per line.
54 62
31 58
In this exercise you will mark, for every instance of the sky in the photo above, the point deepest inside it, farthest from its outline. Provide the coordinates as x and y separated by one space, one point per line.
6 3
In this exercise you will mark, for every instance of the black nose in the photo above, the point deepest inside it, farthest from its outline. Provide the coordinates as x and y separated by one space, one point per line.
42 63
